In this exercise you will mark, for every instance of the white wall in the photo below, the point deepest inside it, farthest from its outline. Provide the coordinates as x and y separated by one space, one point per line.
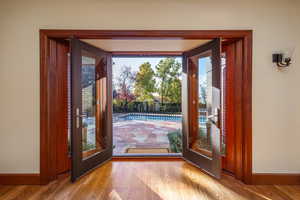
276 96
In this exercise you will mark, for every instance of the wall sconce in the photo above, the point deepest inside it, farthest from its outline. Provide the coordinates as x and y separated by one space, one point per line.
280 61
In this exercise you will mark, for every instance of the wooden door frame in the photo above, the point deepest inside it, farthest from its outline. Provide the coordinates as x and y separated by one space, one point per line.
243 126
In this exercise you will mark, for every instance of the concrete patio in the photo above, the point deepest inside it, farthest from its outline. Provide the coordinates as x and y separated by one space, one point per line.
142 134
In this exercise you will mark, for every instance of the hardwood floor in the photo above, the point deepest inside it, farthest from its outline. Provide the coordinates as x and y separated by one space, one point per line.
149 180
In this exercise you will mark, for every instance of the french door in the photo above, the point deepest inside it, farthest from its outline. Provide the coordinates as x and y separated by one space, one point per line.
201 108
91 138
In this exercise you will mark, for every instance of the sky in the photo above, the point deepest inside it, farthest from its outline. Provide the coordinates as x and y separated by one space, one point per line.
203 62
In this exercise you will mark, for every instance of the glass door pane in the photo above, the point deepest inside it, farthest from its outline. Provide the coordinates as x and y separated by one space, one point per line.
93 141
200 142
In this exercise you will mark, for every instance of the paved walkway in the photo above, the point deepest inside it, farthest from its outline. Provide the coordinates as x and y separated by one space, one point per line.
142 134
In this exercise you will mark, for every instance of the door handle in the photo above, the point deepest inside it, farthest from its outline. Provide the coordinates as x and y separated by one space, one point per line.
78 116
214 118
211 116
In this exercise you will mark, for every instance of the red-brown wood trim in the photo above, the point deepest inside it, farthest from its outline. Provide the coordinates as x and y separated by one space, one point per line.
44 103
244 124
19 179
278 179
229 41
52 101
63 161
146 34
247 108
229 162
238 107
146 53
53 112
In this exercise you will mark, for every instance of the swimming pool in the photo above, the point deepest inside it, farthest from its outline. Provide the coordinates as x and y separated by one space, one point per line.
151 117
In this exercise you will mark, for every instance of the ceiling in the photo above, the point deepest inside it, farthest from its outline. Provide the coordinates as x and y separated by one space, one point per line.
145 45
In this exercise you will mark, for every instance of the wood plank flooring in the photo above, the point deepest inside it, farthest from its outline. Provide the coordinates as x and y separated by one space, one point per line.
149 180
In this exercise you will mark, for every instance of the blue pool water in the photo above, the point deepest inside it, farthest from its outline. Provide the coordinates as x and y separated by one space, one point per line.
142 117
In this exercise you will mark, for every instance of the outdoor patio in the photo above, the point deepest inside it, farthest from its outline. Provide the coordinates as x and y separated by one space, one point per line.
142 134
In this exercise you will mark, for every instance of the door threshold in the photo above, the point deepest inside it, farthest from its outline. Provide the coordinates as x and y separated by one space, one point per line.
141 156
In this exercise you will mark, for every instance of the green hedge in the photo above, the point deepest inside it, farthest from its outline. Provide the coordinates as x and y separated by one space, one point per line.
175 140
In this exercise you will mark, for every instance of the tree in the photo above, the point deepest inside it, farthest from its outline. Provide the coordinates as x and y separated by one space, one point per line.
168 73
125 85
145 83
174 94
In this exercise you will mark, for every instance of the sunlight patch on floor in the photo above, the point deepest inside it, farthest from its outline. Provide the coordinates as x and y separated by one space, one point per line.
208 184
114 195
169 187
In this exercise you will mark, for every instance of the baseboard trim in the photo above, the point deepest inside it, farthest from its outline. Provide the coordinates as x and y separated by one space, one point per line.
19 179
275 179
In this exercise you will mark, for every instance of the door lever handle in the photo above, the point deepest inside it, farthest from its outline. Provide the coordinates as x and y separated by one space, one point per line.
78 113
211 116
214 118
78 116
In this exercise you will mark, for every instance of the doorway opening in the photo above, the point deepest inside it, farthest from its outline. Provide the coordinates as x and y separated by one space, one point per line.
147 116
204 112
